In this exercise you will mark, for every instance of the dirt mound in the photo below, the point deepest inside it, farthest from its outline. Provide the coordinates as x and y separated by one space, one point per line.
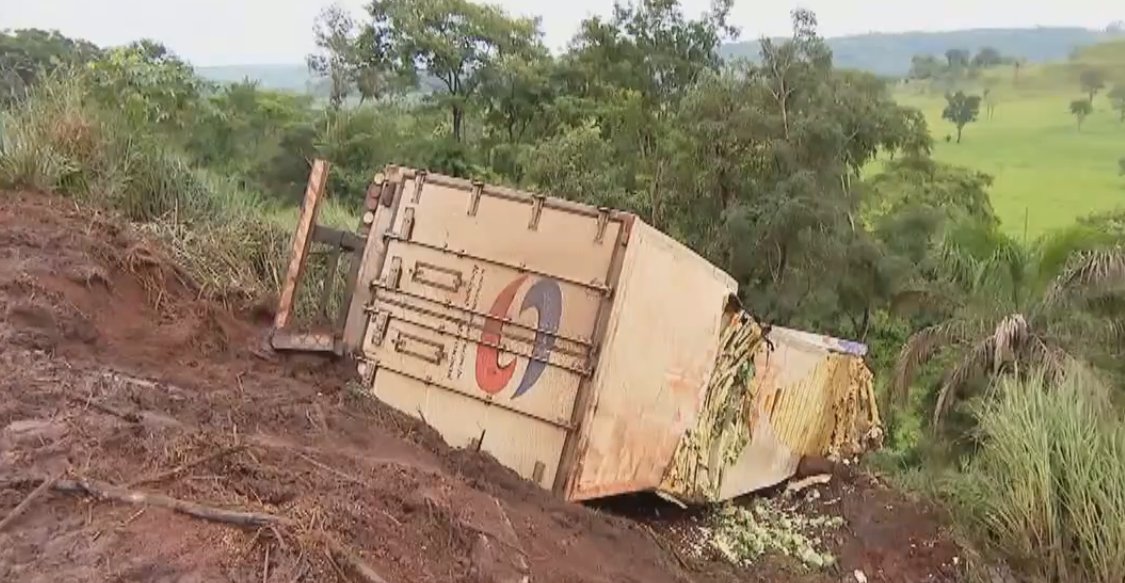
112 370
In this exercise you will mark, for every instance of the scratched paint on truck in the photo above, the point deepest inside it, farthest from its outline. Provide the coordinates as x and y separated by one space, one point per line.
489 324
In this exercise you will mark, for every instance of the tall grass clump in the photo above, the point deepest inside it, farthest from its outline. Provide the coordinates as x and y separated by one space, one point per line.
59 139
1046 489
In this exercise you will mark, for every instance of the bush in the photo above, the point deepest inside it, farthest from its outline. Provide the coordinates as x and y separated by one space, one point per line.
1046 489
58 140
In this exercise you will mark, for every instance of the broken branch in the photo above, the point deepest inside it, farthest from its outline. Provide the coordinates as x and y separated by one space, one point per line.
26 502
103 491
129 416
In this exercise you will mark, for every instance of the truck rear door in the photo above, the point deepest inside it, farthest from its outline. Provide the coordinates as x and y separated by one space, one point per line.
484 317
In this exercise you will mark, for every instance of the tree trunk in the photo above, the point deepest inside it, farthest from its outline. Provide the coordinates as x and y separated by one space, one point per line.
959 128
458 119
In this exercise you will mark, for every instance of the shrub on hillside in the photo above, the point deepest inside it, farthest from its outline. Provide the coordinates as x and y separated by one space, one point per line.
1044 490
59 140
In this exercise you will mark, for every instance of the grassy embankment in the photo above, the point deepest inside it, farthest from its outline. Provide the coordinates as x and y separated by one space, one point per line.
1047 172
230 241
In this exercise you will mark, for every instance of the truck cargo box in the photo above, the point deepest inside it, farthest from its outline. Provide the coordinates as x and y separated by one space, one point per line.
570 342
579 346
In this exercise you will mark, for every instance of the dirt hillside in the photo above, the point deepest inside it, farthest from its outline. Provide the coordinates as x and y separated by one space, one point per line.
115 376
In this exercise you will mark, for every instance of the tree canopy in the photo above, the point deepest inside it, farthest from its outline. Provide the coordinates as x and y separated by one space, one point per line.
1092 81
26 54
961 109
1080 109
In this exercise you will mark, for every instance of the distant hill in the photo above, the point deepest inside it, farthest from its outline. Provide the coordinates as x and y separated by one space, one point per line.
295 78
285 77
890 53
883 54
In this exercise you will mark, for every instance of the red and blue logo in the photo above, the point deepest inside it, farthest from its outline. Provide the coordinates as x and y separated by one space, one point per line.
545 296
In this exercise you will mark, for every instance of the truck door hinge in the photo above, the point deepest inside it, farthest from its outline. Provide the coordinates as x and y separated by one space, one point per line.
536 212
394 273
379 321
407 224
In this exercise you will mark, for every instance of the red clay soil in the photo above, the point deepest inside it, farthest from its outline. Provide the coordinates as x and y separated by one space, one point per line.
113 371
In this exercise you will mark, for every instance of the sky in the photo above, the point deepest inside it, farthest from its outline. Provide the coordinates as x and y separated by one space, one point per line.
229 32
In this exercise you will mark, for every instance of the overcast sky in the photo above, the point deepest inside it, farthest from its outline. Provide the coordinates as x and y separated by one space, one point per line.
225 32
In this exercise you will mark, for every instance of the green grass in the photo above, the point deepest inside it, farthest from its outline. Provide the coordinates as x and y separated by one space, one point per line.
1044 489
1046 172
231 244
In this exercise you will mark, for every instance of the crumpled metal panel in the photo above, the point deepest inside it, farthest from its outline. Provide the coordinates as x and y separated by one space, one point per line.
720 432
809 395
660 348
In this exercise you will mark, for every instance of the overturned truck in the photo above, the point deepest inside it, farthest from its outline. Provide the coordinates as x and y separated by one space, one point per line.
579 346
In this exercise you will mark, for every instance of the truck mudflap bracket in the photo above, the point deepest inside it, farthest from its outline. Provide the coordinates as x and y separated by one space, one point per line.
287 335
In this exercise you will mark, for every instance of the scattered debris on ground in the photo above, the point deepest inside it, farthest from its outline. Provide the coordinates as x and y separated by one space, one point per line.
743 533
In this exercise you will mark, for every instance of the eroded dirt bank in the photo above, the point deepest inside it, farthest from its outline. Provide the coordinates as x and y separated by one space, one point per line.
111 370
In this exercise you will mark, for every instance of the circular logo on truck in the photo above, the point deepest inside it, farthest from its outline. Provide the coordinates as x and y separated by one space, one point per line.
545 296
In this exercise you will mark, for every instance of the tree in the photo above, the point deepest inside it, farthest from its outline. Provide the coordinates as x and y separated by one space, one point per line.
1117 100
1013 308
26 53
1080 108
987 57
1092 80
925 67
335 34
516 92
630 71
760 174
455 41
957 58
990 101
149 83
961 109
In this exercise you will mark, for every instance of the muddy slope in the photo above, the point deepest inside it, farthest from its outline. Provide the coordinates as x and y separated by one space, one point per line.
112 370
